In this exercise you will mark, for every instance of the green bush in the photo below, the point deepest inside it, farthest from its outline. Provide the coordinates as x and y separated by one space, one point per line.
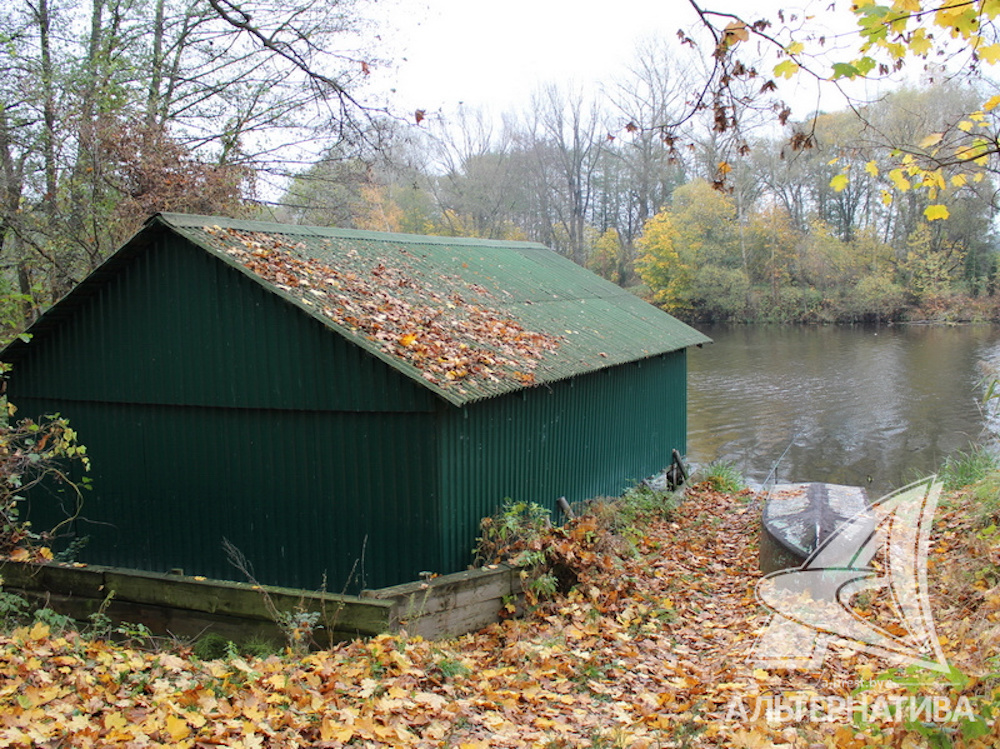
511 532
875 298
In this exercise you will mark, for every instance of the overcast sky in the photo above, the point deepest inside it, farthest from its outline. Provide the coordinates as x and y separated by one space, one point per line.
494 55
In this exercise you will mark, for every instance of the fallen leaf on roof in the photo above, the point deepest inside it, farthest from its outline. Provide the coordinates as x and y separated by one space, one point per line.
450 332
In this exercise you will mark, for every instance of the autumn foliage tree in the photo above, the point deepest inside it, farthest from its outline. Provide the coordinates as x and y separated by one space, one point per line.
150 172
664 265
945 40
111 110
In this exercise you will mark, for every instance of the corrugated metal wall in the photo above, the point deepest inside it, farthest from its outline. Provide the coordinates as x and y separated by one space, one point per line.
213 409
590 436
164 328
302 494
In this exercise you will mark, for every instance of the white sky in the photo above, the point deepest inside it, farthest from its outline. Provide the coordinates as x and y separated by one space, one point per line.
480 52
494 55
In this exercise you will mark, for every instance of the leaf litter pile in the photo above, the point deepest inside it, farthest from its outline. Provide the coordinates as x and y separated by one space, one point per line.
647 649
450 332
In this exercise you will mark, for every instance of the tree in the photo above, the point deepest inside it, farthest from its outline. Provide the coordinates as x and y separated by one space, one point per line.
705 219
159 105
773 241
932 267
329 193
663 266
640 169
826 261
890 36
563 128
606 256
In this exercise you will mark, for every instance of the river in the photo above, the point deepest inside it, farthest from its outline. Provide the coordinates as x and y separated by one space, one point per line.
874 407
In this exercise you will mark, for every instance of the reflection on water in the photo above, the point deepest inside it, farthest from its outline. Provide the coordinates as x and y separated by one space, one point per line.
875 407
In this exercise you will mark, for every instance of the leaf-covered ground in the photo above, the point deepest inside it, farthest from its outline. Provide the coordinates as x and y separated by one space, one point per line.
649 649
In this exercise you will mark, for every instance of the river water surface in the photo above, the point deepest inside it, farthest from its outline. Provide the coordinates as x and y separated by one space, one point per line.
873 407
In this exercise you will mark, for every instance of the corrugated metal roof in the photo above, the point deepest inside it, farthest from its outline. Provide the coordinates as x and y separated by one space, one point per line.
468 318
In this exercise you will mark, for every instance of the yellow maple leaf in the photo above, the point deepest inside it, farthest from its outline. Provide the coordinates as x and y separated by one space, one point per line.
872 168
934 180
331 730
839 183
78 723
989 54
407 340
920 43
936 212
899 180
786 69
906 6
39 632
115 721
177 727
959 180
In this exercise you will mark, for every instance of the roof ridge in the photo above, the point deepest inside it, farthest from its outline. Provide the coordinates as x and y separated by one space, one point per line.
196 221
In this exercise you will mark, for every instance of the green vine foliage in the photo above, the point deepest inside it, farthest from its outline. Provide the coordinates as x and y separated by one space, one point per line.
46 451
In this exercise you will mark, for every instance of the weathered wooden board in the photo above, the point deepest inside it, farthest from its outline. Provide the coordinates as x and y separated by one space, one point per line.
145 596
454 604
185 607
85 582
183 625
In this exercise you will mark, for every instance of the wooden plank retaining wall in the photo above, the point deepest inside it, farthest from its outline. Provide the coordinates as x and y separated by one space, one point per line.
189 607
451 605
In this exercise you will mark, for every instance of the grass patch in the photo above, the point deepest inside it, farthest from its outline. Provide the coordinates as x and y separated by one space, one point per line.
213 646
968 467
642 501
723 476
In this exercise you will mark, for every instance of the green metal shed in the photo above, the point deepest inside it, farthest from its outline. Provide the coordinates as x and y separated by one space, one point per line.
342 406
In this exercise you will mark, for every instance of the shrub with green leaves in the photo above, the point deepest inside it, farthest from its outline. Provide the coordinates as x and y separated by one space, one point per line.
32 453
513 530
13 608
